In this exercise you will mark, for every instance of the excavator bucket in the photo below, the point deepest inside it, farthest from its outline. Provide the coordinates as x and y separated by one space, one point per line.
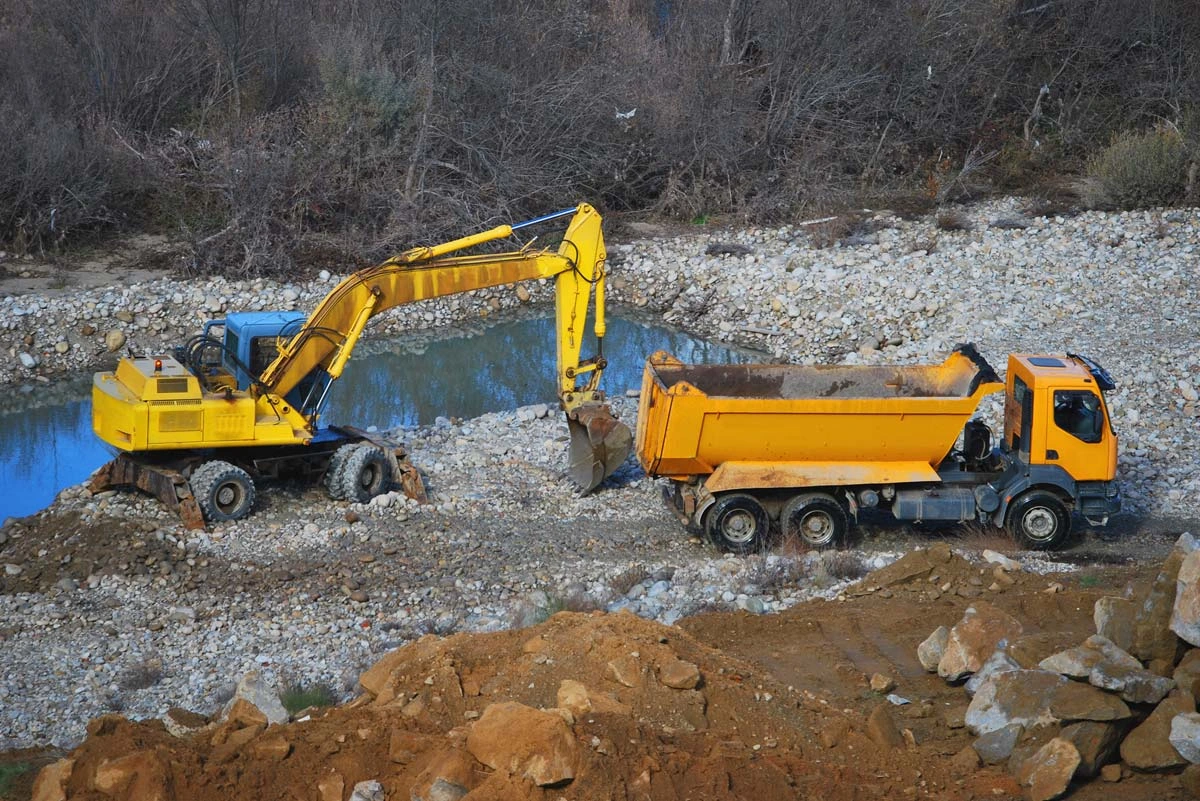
599 444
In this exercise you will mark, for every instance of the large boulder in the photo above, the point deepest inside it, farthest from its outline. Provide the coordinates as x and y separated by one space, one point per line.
1185 616
1188 671
1096 743
1078 662
51 782
975 638
1048 773
1185 736
1148 747
1038 698
1114 620
524 741
1152 635
999 662
258 692
929 652
1136 685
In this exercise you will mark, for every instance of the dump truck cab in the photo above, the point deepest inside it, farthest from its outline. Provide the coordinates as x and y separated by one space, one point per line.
1058 434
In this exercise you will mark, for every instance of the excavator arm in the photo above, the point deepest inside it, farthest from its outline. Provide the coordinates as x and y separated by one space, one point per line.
324 343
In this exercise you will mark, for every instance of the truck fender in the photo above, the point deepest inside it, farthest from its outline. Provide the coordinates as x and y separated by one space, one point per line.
1051 477
704 499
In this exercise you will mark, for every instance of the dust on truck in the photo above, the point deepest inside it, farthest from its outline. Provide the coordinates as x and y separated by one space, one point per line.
758 451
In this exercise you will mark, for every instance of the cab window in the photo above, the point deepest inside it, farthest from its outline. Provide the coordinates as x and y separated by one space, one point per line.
1079 413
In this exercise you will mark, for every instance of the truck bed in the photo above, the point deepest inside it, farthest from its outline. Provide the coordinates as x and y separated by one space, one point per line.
694 418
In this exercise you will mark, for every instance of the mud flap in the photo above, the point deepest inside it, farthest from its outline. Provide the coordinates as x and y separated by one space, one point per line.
600 443
164 483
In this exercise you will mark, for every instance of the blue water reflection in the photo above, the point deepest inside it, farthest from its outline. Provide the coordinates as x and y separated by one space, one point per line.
46 440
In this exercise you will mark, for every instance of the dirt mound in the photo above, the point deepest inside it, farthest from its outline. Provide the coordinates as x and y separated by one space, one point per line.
648 711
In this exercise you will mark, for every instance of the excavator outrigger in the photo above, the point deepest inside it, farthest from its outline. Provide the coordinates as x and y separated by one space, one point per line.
197 427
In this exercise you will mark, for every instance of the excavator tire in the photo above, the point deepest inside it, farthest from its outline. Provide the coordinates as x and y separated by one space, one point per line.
333 472
223 491
366 473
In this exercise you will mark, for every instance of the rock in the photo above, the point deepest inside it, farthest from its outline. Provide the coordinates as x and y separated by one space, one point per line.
139 775
359 596
244 713
1037 698
448 777
1188 671
1048 772
1136 685
929 652
997 746
679 675
1078 662
114 340
833 731
523 294
124 316
974 638
87 330
1075 701
1110 773
1096 743
626 670
182 722
370 790
51 782
1185 736
1152 635
1148 747
1185 615
881 729
255 690
524 742
270 749
331 786
882 684
28 360
998 662
996 558
1189 780
965 762
915 564
1114 620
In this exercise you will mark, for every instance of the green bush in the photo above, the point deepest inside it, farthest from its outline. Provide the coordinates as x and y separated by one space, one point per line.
297 697
1138 170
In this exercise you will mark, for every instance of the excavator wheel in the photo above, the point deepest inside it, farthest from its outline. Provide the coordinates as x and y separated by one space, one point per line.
365 474
333 471
223 491
600 443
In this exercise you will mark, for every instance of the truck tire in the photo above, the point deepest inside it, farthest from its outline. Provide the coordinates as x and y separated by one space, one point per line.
365 474
815 519
738 523
333 470
1039 520
223 491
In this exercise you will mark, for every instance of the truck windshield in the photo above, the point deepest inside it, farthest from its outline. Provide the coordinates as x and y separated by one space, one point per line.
1080 413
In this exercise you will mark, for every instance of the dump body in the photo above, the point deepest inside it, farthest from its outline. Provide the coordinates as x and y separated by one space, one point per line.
795 425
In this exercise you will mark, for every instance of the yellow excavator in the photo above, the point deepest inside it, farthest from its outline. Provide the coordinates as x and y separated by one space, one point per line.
198 427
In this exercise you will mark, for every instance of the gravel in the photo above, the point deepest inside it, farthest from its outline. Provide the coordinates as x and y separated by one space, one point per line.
108 604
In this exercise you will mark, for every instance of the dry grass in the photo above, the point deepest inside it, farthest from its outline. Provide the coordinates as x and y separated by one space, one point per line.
953 220
976 536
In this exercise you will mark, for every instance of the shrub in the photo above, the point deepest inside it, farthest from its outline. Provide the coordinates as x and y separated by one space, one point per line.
297 696
1136 170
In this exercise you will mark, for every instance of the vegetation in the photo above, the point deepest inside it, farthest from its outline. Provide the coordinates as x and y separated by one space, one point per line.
9 773
263 133
296 696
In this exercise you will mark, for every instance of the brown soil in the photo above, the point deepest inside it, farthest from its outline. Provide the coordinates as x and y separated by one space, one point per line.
781 709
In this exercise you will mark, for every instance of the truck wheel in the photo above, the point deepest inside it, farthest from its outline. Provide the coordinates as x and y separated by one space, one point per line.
738 523
818 520
1039 520
366 473
333 471
223 491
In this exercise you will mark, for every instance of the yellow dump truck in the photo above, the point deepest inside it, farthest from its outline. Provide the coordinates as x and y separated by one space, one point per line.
758 451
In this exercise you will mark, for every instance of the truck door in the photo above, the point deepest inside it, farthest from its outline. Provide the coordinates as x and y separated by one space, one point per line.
1078 437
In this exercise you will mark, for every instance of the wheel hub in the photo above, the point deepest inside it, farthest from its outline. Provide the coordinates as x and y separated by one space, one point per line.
739 527
1039 523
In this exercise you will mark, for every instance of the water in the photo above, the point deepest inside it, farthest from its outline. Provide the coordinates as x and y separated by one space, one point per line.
46 439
